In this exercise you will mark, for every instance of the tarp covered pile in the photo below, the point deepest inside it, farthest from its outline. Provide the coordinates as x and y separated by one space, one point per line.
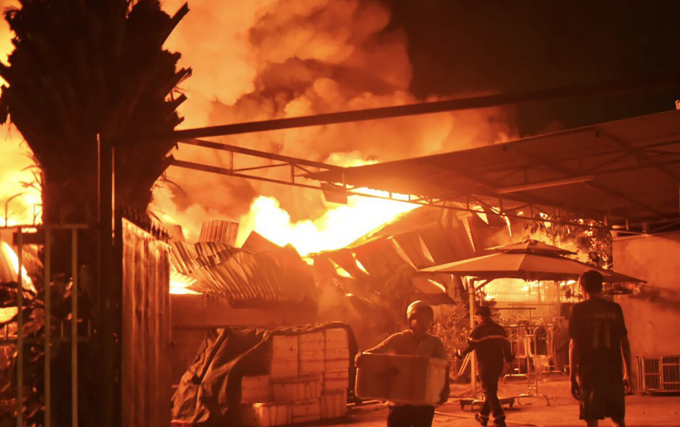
211 392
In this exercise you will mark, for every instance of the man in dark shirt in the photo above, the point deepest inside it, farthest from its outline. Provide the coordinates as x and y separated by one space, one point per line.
490 342
597 349
415 341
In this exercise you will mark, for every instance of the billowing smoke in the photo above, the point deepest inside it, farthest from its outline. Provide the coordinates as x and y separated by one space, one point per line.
265 59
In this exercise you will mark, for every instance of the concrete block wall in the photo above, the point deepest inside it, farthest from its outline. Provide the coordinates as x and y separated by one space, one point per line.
653 316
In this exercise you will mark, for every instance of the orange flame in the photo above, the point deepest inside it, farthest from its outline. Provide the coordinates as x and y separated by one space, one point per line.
8 254
337 228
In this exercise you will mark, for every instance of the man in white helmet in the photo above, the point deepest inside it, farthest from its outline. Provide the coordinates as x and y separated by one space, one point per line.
415 341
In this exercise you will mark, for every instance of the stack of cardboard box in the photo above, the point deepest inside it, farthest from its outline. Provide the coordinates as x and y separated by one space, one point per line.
308 380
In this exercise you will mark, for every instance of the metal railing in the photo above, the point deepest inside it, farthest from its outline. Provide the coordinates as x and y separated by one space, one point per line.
22 237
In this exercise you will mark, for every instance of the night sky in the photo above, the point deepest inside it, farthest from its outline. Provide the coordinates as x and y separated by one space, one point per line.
467 46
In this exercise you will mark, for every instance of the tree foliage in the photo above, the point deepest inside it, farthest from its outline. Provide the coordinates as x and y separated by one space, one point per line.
83 68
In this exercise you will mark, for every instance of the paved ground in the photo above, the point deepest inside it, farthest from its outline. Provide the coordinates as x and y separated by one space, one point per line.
563 410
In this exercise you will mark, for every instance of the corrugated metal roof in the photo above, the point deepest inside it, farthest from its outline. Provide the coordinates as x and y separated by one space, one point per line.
627 170
244 277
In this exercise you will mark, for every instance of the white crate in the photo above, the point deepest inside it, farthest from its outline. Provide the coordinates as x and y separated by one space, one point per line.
336 353
299 388
336 338
305 411
311 362
334 404
285 346
313 341
336 359
335 380
255 389
336 365
266 414
283 368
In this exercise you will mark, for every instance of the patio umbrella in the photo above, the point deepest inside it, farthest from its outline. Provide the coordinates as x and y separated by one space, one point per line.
528 261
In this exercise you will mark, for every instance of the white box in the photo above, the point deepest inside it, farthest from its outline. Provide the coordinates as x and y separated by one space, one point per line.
336 353
283 368
334 404
313 341
336 359
336 338
411 380
298 388
285 346
311 362
266 414
335 380
255 389
309 410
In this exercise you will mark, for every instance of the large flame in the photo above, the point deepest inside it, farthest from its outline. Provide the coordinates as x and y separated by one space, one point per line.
337 228
7 254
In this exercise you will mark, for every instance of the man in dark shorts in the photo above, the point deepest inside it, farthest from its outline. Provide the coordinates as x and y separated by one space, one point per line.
490 341
598 348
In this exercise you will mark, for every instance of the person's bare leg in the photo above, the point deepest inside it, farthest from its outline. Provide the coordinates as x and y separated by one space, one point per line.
618 423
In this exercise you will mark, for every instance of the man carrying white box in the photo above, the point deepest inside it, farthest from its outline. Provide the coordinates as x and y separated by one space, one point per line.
414 341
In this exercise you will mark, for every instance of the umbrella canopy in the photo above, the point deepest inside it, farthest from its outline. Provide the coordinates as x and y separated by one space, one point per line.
532 246
527 266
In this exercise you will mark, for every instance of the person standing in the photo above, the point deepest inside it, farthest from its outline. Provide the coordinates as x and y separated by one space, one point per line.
415 341
599 354
490 342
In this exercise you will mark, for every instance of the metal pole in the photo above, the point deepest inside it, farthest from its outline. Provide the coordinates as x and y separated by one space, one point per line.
598 89
473 364
48 329
20 332
74 328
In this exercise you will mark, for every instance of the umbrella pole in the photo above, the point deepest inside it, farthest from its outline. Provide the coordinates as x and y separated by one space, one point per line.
473 364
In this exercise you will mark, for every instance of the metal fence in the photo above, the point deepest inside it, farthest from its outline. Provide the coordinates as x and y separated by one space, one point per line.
32 240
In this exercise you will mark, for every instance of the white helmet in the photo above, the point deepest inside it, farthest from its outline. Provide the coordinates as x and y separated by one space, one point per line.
418 306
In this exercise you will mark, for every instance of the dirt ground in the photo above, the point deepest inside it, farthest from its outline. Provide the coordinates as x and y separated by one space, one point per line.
562 411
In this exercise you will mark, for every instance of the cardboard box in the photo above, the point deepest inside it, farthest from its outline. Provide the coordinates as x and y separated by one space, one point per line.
311 362
335 380
334 404
285 346
414 380
283 368
298 388
336 359
336 338
314 341
305 411
255 389
266 414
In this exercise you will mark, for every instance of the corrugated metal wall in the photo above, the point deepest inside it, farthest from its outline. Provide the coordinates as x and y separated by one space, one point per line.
146 329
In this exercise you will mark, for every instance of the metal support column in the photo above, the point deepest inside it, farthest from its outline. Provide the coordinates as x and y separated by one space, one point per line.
473 359
20 331
74 327
48 329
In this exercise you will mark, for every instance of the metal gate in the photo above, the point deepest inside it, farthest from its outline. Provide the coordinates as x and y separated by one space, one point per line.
142 391
21 246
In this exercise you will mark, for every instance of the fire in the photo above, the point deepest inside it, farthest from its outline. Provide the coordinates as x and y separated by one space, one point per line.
337 228
8 254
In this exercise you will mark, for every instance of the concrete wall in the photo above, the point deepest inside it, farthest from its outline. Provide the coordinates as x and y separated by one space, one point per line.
653 316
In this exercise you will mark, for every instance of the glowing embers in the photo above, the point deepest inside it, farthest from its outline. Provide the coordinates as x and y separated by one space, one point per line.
337 228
